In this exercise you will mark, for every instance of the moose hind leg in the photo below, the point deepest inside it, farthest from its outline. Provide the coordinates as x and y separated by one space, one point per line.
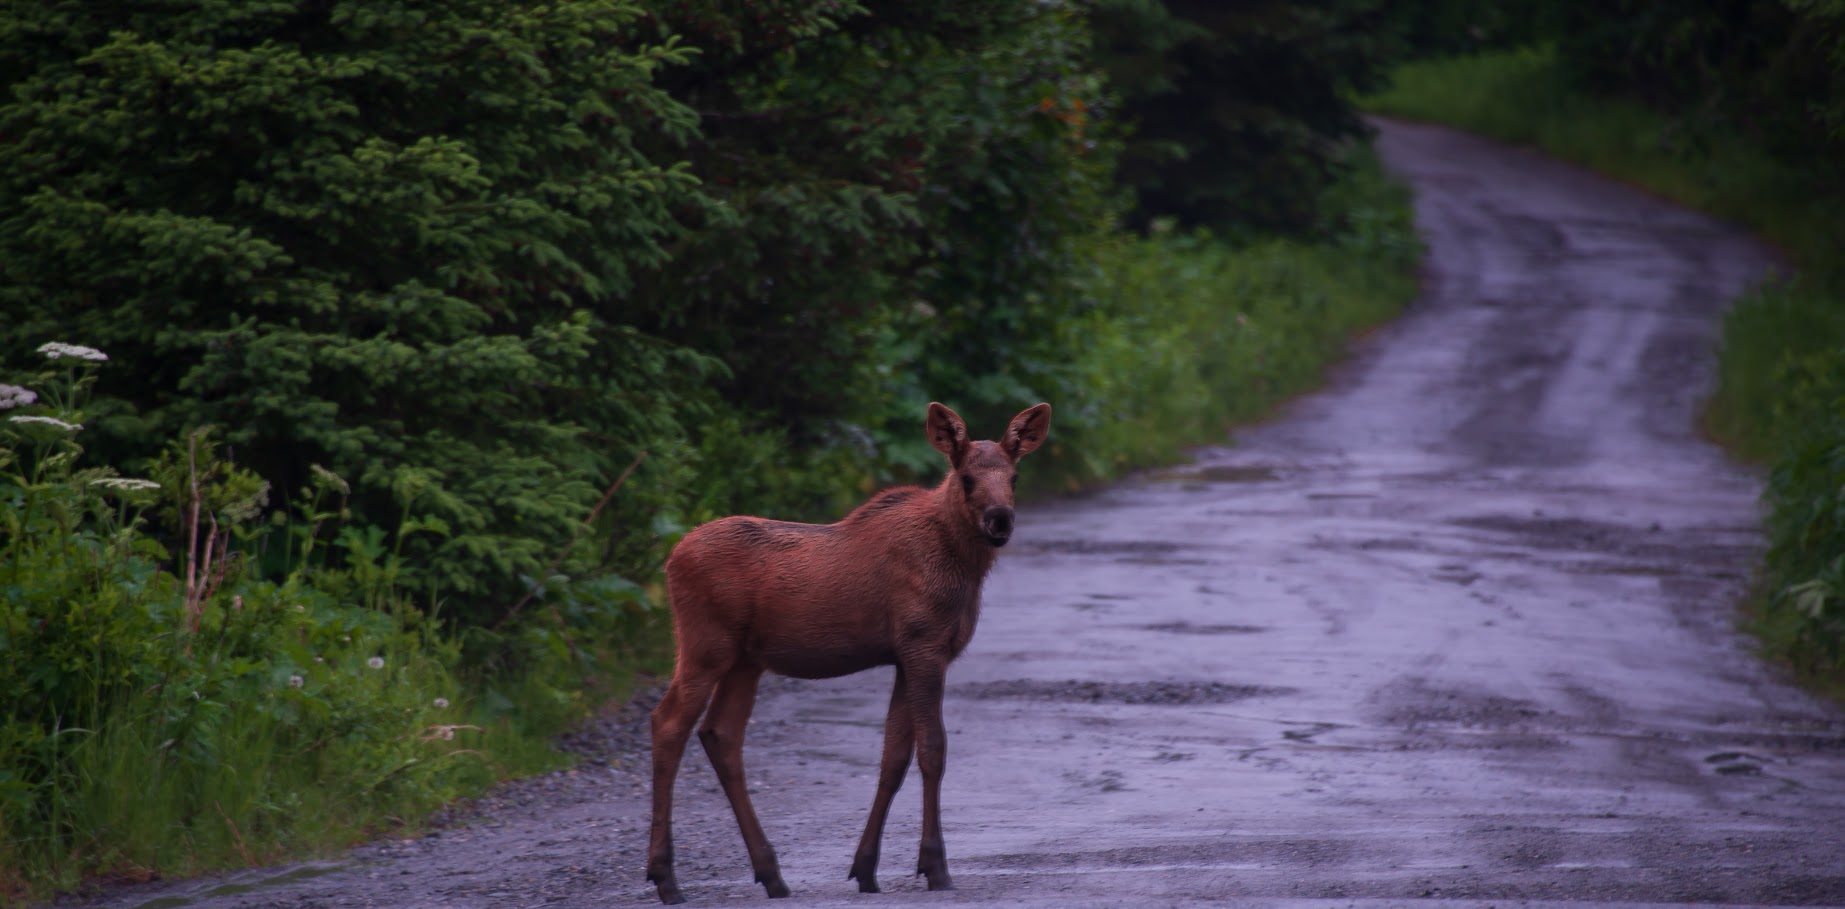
722 736
673 720
899 741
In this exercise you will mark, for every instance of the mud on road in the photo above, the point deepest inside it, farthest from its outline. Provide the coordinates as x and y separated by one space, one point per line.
1459 627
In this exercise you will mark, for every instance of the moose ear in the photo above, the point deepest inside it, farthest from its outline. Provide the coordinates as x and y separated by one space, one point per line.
947 432
1027 431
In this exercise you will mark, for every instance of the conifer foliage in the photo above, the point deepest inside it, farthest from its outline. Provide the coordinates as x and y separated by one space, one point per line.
398 239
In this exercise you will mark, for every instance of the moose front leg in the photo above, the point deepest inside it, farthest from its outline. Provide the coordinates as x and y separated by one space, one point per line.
899 741
924 688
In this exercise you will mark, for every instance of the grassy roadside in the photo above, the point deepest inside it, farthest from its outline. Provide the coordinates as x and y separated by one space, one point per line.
1780 398
1191 336
170 733
171 712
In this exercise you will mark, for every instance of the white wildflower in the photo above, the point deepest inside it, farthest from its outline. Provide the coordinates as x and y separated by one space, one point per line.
128 484
300 608
375 662
444 733
237 601
48 421
13 396
295 681
441 703
57 349
320 659
330 479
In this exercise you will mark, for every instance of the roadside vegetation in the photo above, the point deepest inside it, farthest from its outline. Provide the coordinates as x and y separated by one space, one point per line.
362 362
1738 110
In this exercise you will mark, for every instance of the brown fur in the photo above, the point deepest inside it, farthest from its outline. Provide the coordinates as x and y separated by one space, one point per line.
896 582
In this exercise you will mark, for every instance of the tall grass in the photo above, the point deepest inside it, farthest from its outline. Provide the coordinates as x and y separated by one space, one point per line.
170 712
1781 376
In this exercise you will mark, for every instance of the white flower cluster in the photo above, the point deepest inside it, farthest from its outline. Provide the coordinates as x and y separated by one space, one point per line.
12 396
375 662
330 479
56 349
48 421
125 483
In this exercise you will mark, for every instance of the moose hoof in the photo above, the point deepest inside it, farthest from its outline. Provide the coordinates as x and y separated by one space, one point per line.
865 871
774 887
670 895
938 877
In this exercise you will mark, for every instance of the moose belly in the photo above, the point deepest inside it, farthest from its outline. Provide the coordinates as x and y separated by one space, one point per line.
825 662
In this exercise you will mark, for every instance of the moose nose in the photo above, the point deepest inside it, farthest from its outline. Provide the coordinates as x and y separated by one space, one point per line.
998 521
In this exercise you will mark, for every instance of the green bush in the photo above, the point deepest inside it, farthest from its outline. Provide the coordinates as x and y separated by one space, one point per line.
1803 614
171 712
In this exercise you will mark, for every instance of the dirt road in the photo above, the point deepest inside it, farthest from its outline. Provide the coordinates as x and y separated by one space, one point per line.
1457 628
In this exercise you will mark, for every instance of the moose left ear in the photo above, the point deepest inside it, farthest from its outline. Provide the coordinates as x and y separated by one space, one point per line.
947 432
1026 431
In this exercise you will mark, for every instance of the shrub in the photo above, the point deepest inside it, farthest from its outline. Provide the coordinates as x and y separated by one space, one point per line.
1804 616
173 720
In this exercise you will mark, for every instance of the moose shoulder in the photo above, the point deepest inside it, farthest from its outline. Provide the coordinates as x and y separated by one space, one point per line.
897 581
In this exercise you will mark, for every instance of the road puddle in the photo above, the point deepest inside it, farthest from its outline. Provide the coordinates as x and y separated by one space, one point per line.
242 887
1137 693
1221 473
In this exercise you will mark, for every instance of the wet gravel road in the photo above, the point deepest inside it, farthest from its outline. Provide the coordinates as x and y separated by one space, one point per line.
1458 628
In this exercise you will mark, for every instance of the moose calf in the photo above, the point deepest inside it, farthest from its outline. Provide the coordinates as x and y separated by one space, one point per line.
896 582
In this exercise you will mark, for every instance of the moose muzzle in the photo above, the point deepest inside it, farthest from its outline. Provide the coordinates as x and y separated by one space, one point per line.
996 524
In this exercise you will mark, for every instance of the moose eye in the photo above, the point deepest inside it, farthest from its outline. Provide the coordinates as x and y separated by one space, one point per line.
967 484
1015 481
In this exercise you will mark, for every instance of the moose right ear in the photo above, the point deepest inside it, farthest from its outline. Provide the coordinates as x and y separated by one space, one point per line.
947 432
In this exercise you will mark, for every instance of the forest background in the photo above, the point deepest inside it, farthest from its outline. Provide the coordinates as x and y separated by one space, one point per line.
364 359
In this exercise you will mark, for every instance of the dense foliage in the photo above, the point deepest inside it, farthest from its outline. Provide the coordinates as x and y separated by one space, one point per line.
1238 111
396 241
